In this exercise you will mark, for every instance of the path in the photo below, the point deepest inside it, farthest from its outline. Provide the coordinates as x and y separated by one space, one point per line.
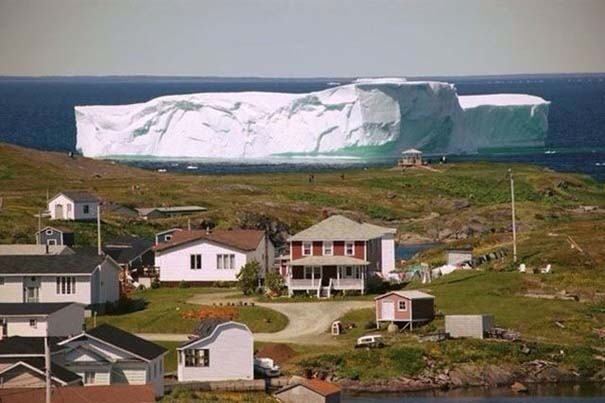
308 321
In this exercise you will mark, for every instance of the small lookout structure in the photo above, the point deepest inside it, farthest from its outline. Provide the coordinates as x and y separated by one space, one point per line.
410 158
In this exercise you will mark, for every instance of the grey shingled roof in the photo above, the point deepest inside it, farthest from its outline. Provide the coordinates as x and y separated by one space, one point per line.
33 309
79 263
56 371
80 196
127 248
340 228
127 341
29 346
409 294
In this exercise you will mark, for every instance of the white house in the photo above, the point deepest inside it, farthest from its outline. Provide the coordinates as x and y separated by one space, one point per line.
221 350
73 205
91 280
59 319
205 257
107 355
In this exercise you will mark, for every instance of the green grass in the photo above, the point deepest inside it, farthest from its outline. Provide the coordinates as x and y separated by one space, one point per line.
185 396
170 359
164 306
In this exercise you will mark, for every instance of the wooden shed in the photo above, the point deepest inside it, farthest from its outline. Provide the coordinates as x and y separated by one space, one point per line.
407 307
310 391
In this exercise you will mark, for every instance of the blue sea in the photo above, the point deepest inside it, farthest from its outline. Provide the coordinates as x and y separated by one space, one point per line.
38 113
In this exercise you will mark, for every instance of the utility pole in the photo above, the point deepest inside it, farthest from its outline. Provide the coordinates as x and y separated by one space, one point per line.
99 248
512 199
47 366
39 226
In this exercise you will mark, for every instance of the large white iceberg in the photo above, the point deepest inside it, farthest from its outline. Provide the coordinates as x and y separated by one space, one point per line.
369 117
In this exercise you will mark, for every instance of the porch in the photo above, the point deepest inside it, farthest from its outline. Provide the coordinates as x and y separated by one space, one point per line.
339 274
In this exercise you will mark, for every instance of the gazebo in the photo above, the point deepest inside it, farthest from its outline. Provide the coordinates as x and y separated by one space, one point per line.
411 157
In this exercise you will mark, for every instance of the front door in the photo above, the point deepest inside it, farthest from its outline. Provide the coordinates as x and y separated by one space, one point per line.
388 310
58 211
31 294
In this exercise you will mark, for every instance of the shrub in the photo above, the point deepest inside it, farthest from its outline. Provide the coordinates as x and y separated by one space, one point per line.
155 283
369 325
274 282
376 285
183 284
248 277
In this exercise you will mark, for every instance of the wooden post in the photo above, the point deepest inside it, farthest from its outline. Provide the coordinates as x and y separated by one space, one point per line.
512 199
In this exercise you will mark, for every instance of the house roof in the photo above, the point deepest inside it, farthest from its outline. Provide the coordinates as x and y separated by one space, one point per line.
78 263
411 151
31 309
328 261
408 294
168 231
78 196
64 230
126 341
120 393
171 210
127 248
26 249
340 228
242 239
207 327
58 372
27 346
318 386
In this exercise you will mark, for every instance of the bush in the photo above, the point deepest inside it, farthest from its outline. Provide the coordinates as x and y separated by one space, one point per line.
369 325
376 285
274 282
183 284
248 277
155 283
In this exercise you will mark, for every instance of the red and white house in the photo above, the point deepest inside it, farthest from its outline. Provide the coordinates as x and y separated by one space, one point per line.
339 254
407 307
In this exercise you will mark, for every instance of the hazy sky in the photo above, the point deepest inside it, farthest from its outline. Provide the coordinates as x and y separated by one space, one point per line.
276 38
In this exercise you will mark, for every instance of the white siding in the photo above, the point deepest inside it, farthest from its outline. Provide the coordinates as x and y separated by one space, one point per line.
388 253
110 282
231 356
260 252
174 263
71 210
21 327
12 289
48 290
79 213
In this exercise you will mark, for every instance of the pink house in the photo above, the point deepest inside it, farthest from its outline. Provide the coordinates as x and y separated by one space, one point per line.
338 254
408 307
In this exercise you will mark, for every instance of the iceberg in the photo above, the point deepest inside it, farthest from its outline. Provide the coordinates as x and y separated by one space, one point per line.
365 119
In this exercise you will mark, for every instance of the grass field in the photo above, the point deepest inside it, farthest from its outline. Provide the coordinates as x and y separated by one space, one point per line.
163 308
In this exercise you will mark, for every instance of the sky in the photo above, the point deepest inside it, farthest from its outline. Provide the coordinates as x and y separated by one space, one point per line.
310 38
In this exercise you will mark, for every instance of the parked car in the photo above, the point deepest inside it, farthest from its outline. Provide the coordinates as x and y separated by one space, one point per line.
370 341
266 368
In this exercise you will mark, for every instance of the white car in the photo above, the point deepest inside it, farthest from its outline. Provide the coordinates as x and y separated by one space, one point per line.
370 341
266 368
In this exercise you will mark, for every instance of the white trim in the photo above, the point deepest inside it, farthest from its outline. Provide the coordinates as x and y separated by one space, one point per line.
19 363
194 342
84 334
302 250
331 244
399 301
353 249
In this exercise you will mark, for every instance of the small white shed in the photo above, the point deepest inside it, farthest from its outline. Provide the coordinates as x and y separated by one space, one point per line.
73 205
475 326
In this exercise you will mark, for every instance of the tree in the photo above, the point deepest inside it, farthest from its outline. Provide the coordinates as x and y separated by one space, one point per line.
248 276
274 282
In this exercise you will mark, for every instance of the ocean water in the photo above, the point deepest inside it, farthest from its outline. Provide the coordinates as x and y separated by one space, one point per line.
38 113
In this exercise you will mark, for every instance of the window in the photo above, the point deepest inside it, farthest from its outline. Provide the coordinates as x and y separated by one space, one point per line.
328 248
49 232
197 358
348 271
85 208
33 323
1 280
349 248
225 261
89 377
51 242
307 248
66 285
402 306
168 237
196 262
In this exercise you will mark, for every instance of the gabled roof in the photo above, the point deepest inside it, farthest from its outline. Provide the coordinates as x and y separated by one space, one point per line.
171 210
27 346
32 250
120 393
411 151
316 385
340 228
127 248
241 239
31 309
208 327
124 341
408 294
64 230
77 196
59 373
78 263
168 231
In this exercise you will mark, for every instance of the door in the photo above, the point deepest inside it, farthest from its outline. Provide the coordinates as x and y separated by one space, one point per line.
31 294
387 311
58 211
4 332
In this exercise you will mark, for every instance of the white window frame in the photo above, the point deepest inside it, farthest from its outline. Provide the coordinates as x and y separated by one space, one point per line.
405 305
197 357
86 209
167 237
195 261
33 323
49 232
328 246
51 242
65 285
350 244
89 377
225 261
304 244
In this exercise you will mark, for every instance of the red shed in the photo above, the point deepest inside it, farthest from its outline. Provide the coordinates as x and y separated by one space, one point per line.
410 307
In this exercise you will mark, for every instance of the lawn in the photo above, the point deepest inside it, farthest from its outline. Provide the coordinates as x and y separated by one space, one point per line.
185 396
162 311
